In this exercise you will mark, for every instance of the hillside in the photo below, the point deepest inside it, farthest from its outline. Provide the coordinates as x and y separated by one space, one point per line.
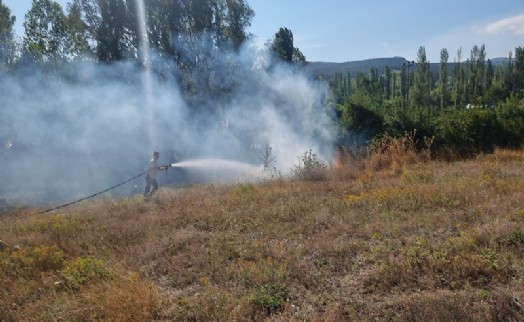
327 69
381 239
363 66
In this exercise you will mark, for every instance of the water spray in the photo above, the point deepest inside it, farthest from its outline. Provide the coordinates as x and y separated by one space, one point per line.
219 164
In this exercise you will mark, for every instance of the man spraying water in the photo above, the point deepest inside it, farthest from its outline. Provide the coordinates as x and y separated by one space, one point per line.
151 184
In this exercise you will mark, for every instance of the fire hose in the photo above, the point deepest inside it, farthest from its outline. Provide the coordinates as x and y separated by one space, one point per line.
101 192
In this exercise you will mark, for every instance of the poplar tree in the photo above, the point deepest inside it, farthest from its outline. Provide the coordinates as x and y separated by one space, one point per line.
458 80
443 78
476 75
422 86
388 89
283 45
519 71
480 76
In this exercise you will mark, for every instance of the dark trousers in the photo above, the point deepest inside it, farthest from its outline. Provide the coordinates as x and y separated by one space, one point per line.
151 186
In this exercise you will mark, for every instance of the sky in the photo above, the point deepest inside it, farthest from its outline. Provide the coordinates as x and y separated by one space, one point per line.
352 30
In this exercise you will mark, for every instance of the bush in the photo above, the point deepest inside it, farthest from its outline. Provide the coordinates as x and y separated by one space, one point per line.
270 296
85 269
511 117
468 132
310 168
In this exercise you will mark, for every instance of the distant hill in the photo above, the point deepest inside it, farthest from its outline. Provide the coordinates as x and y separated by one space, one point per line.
353 67
327 69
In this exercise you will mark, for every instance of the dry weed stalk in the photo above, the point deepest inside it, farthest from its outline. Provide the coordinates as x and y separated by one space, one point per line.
391 154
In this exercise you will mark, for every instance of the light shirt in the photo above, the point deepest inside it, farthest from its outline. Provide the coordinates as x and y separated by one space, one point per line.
153 168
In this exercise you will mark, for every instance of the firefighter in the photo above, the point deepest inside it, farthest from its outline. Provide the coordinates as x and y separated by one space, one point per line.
151 184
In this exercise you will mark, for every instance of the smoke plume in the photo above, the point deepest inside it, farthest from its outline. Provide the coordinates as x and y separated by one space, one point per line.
85 126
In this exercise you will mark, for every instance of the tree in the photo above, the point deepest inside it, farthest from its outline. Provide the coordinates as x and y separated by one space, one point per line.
165 22
443 78
239 16
77 32
519 70
283 45
283 48
7 43
89 11
298 57
387 83
458 81
111 34
361 123
490 74
45 31
404 82
480 76
422 86
476 75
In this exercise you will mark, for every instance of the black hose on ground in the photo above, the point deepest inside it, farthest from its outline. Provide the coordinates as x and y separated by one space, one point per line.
93 195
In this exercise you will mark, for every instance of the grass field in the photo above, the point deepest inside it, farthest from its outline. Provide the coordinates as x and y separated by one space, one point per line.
387 238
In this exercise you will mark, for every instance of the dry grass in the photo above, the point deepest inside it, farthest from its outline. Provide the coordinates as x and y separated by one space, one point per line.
403 241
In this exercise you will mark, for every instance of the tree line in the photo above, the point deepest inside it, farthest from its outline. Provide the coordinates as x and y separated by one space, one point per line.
108 30
468 107
189 40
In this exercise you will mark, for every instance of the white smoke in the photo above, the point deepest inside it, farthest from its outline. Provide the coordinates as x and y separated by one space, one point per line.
86 127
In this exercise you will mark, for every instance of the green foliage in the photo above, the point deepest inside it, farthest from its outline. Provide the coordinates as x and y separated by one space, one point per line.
432 99
510 116
270 296
310 168
360 122
84 270
480 130
77 33
7 45
109 28
466 132
111 34
282 47
283 44
45 31
422 86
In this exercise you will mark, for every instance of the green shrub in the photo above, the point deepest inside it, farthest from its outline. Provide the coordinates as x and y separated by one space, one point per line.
270 297
467 132
85 269
511 117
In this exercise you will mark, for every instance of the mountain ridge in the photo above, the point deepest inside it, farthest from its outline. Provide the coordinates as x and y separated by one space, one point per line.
328 69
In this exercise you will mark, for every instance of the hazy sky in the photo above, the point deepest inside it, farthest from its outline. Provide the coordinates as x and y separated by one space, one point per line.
348 30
